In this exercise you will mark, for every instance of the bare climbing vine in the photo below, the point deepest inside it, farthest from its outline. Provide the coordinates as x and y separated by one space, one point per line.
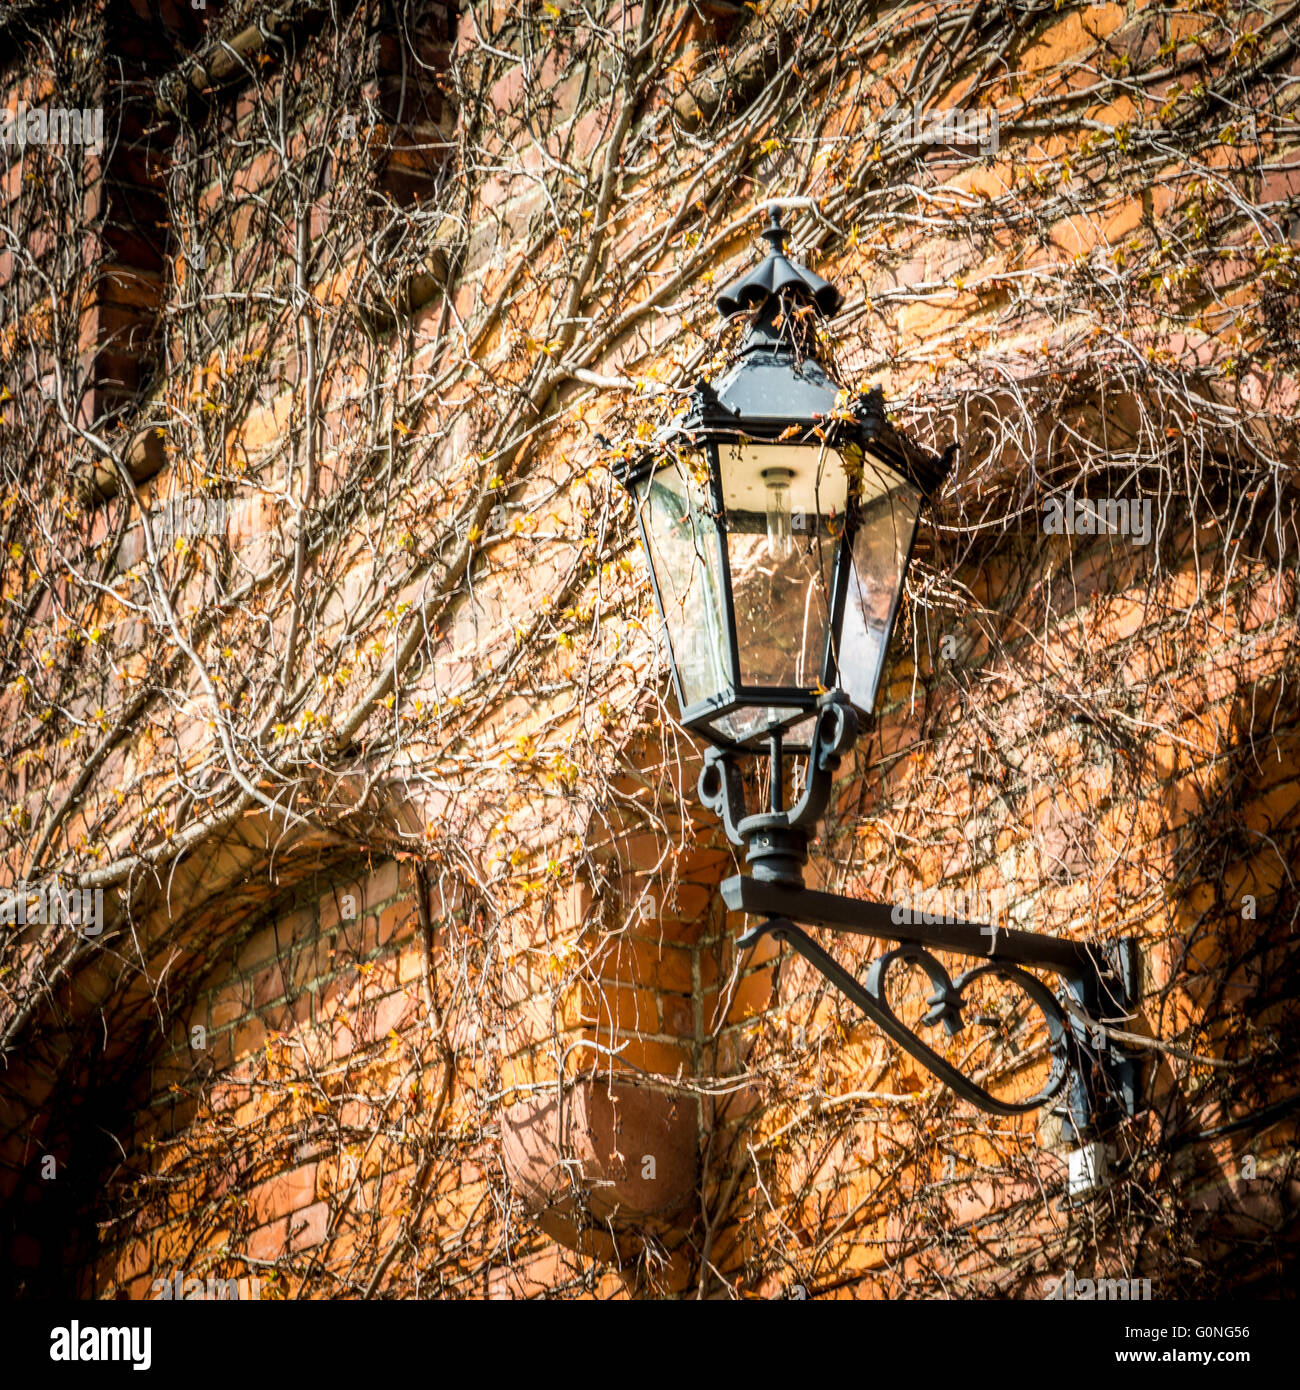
401 352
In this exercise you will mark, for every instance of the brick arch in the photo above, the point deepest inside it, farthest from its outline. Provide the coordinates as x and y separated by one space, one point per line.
220 943
329 973
78 1071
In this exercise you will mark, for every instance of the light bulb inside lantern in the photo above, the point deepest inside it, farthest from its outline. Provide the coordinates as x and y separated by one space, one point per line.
780 528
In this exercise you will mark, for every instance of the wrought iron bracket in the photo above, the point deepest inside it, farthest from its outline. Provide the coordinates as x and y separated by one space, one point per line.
945 1007
1092 1081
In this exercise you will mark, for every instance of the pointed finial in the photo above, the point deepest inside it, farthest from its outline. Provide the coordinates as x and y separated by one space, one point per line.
774 233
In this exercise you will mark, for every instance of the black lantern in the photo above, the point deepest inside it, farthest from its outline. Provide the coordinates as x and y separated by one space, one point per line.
778 518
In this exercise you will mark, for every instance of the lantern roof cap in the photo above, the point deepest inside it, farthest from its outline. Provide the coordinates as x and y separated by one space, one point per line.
768 389
777 277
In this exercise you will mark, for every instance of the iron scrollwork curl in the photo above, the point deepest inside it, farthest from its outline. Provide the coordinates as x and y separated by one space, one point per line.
722 791
946 1008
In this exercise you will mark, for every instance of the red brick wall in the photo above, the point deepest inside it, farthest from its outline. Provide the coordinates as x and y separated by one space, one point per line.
405 411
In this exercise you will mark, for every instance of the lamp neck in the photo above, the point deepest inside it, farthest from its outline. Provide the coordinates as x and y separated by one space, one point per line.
775 852
776 841
775 849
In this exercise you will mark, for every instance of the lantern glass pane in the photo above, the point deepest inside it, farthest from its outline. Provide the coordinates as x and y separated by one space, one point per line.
784 515
753 722
800 735
875 584
682 539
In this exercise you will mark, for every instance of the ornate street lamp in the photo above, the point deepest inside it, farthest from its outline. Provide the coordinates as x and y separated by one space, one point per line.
778 516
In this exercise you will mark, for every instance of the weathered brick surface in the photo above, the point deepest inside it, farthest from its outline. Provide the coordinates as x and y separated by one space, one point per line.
1112 751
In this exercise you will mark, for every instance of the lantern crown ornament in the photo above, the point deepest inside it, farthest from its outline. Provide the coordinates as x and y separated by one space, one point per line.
776 276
